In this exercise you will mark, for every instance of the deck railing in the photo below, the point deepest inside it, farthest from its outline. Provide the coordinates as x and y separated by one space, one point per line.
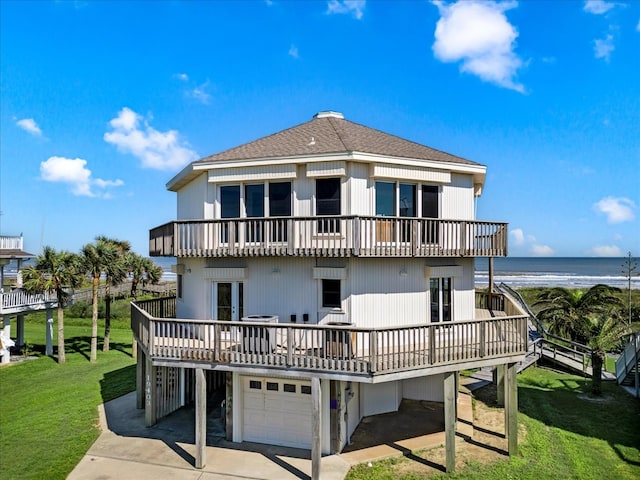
327 348
20 300
8 242
329 236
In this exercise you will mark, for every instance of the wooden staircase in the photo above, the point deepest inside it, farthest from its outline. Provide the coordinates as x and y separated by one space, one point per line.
628 380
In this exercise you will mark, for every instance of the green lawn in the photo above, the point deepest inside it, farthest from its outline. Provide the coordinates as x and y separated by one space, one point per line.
567 436
48 414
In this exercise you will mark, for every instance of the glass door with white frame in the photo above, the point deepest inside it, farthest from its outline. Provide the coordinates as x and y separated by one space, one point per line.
228 301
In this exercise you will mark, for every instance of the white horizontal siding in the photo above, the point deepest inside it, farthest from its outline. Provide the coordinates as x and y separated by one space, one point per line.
360 195
383 296
458 198
429 388
191 199
327 169
414 174
250 174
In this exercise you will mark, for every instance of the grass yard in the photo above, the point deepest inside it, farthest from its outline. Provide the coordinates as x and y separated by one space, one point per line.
48 417
568 435
48 412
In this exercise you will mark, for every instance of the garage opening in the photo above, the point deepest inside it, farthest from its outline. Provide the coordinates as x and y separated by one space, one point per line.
277 411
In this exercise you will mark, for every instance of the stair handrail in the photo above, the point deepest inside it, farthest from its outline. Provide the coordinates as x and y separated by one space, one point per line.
628 357
579 352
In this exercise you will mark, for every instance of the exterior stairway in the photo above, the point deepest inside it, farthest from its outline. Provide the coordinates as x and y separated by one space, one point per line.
628 366
567 354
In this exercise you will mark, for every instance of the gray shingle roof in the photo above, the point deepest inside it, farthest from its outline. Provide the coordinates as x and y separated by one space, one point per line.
330 133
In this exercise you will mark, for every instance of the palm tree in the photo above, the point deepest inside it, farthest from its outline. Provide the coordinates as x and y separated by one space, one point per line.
605 334
96 259
115 274
567 312
54 272
142 270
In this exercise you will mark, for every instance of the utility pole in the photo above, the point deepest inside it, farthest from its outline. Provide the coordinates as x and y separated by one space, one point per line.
630 268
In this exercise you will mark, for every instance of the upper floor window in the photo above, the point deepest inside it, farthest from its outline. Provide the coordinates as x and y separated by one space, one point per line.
395 199
401 200
280 199
430 207
328 203
253 202
230 201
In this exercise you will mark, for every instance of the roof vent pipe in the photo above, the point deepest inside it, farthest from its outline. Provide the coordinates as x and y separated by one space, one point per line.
328 114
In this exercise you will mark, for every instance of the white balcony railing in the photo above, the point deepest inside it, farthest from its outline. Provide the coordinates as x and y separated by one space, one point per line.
20 301
346 350
329 236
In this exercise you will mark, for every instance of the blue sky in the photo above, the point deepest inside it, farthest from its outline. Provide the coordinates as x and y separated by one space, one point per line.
103 102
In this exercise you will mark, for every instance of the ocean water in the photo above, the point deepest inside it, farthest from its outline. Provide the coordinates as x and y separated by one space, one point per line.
578 272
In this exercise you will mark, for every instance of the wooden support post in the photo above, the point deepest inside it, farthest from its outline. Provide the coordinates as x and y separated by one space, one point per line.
316 428
450 420
511 407
490 291
228 406
150 392
6 330
140 376
20 331
499 381
201 418
48 334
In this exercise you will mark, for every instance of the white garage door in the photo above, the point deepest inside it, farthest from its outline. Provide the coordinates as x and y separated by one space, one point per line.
277 411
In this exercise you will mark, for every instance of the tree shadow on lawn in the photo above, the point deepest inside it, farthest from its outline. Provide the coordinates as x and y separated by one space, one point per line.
82 345
567 404
118 382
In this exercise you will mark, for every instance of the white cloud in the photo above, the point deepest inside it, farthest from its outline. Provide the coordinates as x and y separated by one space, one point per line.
158 150
520 239
75 173
293 51
30 125
200 93
542 250
518 236
354 7
638 26
182 76
597 7
478 34
602 47
605 251
617 209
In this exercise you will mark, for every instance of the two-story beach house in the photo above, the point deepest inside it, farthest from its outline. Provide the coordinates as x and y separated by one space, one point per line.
324 273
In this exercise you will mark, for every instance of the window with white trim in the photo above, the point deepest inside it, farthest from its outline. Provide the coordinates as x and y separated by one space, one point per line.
441 295
328 203
331 294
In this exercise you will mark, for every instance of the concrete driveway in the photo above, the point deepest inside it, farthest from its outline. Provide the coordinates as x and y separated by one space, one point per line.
126 449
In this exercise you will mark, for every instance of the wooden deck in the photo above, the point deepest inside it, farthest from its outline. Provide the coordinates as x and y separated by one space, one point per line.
341 350
339 236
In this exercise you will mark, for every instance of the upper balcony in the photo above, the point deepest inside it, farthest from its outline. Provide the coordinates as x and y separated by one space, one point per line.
330 236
